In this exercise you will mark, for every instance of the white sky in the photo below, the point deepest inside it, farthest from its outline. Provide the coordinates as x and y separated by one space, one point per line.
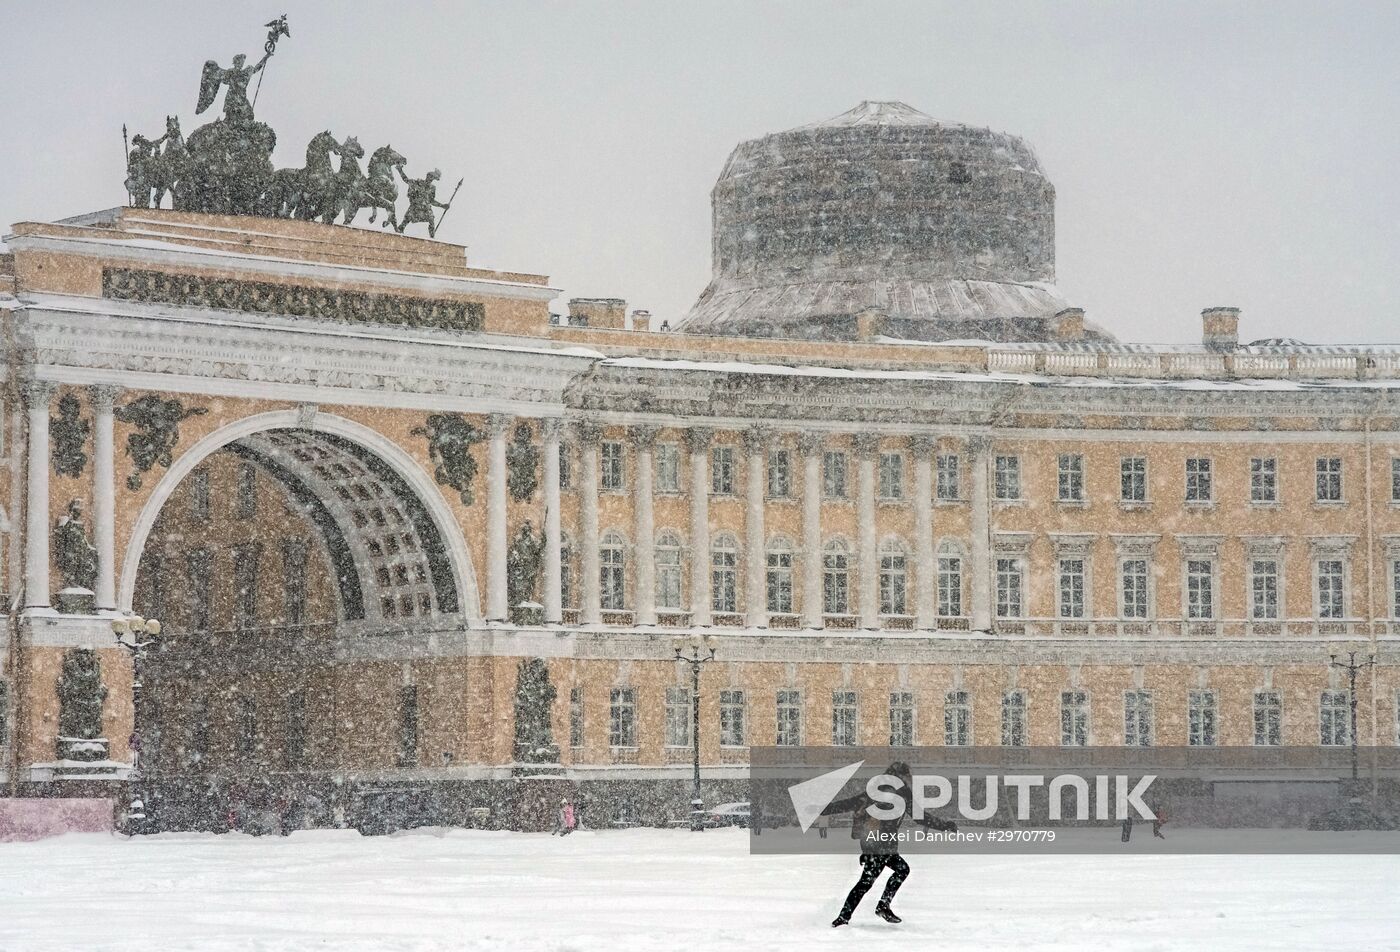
1204 154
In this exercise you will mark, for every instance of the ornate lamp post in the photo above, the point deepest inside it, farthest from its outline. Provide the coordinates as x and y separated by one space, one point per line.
696 660
1351 666
135 634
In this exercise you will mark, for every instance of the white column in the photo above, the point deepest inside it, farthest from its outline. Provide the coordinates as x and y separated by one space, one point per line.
36 501
698 439
978 461
925 558
553 539
810 445
867 449
755 542
497 608
590 585
104 504
643 512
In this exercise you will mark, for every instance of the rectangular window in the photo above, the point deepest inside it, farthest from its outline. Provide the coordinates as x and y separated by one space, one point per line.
1329 479
247 491
1133 477
722 471
1013 719
835 582
1200 715
668 574
622 717
1331 589
1200 589
780 474
1395 588
245 585
1137 719
724 579
1334 719
678 720
1135 591
294 745
576 717
1007 481
948 488
843 719
891 476
612 575
1008 588
245 726
834 474
732 729
1074 719
1395 479
199 495
4 715
408 725
566 468
668 468
789 719
1268 719
1071 588
894 583
1070 483
198 748
294 582
957 719
200 583
1263 480
610 463
1198 485
949 586
901 718
1263 589
779 582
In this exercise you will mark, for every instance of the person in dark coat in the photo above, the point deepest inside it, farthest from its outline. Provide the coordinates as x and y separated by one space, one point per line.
882 850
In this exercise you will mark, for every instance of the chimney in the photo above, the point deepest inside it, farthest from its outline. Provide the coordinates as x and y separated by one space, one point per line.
1220 328
641 321
1067 325
609 313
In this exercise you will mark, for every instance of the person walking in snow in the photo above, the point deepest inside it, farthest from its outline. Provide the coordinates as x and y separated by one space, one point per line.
570 820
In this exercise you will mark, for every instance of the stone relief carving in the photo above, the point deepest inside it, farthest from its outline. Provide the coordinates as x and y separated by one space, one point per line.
73 552
524 566
157 431
522 462
450 441
69 433
534 699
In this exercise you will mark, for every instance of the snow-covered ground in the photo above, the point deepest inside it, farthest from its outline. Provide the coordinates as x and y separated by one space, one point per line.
663 891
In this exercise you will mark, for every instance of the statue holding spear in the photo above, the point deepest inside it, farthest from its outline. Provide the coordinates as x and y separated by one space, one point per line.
422 197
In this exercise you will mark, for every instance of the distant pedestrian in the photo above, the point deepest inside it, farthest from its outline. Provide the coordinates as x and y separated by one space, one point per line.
1127 828
570 819
823 824
1158 821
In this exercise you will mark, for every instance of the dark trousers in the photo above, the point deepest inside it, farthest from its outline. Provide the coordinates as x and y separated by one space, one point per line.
870 866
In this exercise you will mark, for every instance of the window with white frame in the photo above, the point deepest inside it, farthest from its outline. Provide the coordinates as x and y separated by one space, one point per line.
1264 589
844 707
1009 579
836 578
1395 479
893 578
612 571
1070 478
1072 577
1074 718
1006 482
1137 718
1263 480
1200 718
834 474
1329 479
1395 588
950 586
789 732
622 717
668 468
779 576
576 717
1200 589
948 488
957 719
1268 719
1132 472
891 476
1013 719
610 465
1331 588
779 474
1198 479
722 471
724 574
678 717
1334 719
1134 582
733 730
901 718
669 571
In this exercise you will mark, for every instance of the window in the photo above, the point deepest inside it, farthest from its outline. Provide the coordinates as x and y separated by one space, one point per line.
724 574
836 578
1268 719
1007 481
566 469
668 468
893 579
949 586
1200 584
1263 589
408 725
1329 479
4 715
1134 588
245 585
957 719
1263 480
678 711
294 582
199 732
789 719
1074 719
199 495
566 572
722 471
610 462
612 571
1331 590
891 476
779 577
1198 488
668 571
247 491
245 726
1071 588
1133 477
576 717
1395 588
834 474
1013 719
1395 479
1071 478
622 717
1200 716
200 576
1334 719
948 488
1008 588
779 474
901 718
843 719
1137 719
732 732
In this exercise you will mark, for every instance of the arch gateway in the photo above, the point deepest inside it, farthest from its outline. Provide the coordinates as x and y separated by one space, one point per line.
371 490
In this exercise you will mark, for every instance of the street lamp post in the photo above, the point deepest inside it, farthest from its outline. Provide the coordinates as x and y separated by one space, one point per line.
1350 666
696 660
128 632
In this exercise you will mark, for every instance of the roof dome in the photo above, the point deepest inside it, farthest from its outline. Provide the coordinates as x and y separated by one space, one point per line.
945 229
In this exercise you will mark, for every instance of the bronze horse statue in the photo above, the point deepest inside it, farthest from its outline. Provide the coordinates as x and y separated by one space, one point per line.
305 192
380 191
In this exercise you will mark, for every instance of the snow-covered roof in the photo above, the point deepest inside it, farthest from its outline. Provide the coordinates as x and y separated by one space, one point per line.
874 112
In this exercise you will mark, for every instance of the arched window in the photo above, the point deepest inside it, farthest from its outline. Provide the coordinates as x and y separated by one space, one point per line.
668 571
567 592
950 581
612 571
724 574
836 578
779 577
894 577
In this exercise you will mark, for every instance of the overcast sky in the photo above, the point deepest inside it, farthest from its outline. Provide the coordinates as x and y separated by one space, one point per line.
1204 154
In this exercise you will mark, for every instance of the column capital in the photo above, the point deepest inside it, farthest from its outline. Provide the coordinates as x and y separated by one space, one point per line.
104 396
552 429
497 424
698 438
643 435
865 444
587 432
757 438
810 443
37 393
922 444
978 445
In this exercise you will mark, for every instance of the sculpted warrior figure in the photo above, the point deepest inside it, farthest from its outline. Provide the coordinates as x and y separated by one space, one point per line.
422 196
75 555
141 171
237 108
